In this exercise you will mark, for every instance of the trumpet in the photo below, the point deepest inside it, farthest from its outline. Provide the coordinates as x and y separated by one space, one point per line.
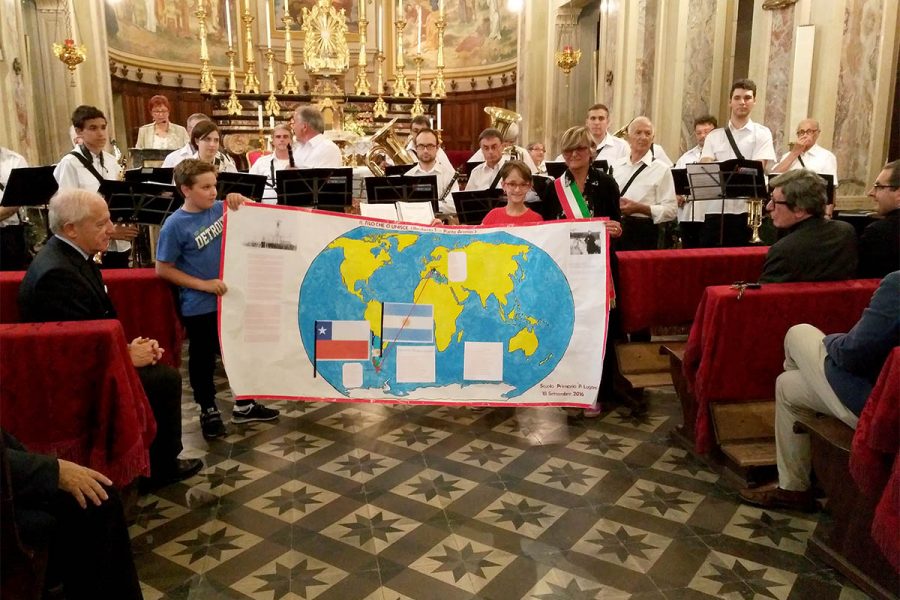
754 218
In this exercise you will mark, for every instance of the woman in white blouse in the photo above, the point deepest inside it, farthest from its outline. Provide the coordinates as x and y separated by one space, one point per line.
161 133
205 140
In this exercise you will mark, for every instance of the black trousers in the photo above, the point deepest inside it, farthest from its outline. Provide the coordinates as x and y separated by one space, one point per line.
203 347
90 551
638 234
690 233
734 232
116 260
14 254
162 384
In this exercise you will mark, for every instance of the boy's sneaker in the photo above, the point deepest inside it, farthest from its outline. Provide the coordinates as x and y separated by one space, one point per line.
253 412
211 423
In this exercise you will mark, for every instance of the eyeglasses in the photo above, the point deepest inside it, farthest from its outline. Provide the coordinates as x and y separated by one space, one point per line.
578 149
517 186
780 202
426 146
806 131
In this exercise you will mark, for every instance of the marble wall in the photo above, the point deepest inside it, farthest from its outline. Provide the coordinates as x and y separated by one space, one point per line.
645 64
700 33
856 93
778 79
16 128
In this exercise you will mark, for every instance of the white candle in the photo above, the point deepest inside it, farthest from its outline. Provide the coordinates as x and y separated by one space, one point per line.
362 10
441 8
271 122
259 115
431 122
228 21
439 115
419 29
268 28
380 32
399 9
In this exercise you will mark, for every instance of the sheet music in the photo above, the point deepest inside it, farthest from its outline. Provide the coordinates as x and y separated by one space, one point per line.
415 212
379 211
705 180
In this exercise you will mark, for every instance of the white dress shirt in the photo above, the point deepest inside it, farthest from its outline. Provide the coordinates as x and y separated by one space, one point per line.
269 166
818 160
653 186
755 143
691 211
222 162
318 153
526 158
659 153
70 173
444 177
175 157
10 160
482 176
442 158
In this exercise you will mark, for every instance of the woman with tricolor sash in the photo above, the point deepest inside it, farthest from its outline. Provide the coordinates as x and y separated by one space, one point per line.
584 192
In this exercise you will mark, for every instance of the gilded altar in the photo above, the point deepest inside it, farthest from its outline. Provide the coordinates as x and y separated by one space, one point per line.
325 50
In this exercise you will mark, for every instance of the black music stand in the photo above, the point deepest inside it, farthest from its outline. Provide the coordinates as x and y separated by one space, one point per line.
729 179
394 170
29 186
323 189
155 174
408 188
149 157
139 203
540 183
471 207
249 185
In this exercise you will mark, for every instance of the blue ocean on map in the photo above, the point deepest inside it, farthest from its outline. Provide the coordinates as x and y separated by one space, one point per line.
512 292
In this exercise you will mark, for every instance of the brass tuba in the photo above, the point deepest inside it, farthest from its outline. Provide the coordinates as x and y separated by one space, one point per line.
502 119
386 142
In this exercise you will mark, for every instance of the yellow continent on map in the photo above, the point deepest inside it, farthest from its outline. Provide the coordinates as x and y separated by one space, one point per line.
363 257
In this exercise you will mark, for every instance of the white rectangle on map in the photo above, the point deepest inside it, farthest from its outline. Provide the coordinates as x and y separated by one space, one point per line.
352 375
456 266
483 361
415 364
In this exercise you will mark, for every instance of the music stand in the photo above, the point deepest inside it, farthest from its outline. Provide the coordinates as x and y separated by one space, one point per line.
394 170
730 179
148 157
408 188
155 174
555 169
472 207
29 186
249 185
540 184
324 189
139 203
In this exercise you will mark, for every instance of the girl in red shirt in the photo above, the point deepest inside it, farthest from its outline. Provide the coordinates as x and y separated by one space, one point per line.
516 177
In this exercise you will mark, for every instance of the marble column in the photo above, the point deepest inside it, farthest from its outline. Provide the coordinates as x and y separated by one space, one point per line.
778 78
701 36
17 110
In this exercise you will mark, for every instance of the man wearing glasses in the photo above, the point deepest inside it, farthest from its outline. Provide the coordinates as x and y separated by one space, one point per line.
426 145
486 176
418 124
806 153
814 248
879 244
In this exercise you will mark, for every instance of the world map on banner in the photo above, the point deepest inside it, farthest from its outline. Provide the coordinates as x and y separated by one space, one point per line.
439 309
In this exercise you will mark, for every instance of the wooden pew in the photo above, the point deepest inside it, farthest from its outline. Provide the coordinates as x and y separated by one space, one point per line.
735 352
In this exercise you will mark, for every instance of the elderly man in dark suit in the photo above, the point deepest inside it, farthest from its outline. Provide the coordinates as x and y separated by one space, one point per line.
64 284
813 248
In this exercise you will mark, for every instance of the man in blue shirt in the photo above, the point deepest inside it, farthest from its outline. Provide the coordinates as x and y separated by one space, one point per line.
829 374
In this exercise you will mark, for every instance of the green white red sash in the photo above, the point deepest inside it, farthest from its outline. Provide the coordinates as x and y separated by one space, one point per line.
572 201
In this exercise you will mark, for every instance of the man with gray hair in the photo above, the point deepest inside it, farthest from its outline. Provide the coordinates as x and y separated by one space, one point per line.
812 248
314 150
64 284
647 191
186 151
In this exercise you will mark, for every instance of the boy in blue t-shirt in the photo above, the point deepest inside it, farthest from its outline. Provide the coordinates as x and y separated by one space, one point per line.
188 255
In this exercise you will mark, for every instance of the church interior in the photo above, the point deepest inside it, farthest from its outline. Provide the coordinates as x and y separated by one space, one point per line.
385 501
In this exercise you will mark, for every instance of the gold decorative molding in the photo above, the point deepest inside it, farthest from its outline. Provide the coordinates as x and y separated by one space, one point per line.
777 4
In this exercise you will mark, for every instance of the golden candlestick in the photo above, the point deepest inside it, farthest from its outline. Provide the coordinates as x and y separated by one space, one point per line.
289 83
401 85
380 108
233 106
417 108
438 88
207 81
272 107
362 78
251 81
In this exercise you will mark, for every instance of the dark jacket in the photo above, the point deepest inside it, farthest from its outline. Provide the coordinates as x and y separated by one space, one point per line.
879 247
60 285
601 192
815 249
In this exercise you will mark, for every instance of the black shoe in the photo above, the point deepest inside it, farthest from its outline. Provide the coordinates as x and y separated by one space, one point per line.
211 423
256 412
182 469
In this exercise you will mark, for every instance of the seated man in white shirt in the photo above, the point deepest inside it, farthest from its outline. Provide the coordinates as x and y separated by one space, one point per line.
510 137
609 147
186 151
426 148
89 164
537 151
280 159
313 150
486 176
418 124
646 187
692 214
806 153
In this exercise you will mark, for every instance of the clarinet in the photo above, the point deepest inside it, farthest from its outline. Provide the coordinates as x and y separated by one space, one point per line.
449 186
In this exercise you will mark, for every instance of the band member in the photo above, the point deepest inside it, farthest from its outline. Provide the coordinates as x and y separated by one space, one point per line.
740 138
13 250
486 176
186 151
280 159
418 124
692 214
608 147
313 150
427 148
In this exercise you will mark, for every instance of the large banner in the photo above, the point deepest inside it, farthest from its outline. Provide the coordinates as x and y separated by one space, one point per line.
339 307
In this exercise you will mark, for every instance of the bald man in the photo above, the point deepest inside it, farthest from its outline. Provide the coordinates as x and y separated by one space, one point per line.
806 153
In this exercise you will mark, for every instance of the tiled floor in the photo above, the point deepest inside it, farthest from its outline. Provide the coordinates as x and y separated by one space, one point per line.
356 501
